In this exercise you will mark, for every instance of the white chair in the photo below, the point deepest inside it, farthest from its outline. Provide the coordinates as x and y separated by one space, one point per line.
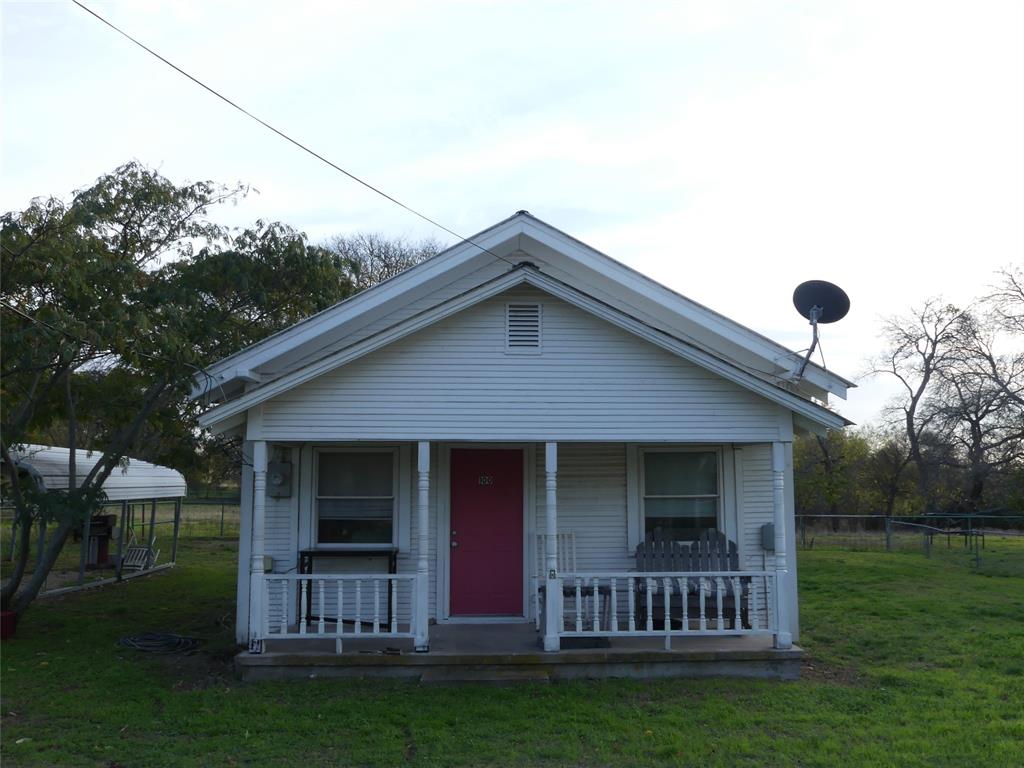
565 549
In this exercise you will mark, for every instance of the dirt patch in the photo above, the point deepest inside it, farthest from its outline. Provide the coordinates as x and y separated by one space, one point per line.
819 671
409 753
199 670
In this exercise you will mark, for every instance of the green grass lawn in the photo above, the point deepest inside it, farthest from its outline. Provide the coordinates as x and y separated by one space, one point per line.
911 662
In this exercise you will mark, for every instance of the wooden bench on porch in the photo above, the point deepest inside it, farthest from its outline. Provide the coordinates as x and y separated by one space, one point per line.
711 551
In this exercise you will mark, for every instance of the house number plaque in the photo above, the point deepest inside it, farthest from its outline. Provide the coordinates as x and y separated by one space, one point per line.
485 480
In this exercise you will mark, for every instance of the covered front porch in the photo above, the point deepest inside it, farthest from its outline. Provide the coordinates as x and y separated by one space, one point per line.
599 610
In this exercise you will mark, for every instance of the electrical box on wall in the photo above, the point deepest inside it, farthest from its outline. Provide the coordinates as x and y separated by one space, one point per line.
768 537
279 479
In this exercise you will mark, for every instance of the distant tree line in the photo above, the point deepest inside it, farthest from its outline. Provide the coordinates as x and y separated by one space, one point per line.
953 440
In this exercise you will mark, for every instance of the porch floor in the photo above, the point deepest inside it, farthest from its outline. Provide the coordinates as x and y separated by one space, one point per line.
507 652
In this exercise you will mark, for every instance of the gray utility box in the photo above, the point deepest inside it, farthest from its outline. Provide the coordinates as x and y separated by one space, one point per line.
768 537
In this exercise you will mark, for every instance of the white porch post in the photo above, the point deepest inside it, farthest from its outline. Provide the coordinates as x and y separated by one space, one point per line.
421 605
553 583
259 506
783 637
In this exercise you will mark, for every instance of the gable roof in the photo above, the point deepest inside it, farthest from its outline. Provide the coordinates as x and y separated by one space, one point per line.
523 275
519 249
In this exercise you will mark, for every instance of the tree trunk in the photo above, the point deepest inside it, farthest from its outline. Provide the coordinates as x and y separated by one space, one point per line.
890 503
12 584
22 516
24 598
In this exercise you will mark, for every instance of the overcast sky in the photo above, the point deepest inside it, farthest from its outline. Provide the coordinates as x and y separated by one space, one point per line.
729 150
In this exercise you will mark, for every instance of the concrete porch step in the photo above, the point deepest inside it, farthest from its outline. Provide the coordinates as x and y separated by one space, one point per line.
455 675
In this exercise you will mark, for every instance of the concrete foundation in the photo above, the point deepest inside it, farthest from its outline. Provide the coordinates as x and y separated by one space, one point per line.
502 653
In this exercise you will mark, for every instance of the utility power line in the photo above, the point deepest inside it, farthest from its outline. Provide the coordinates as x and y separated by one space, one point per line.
288 138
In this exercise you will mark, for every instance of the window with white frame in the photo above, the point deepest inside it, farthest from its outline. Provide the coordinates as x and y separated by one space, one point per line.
355 497
680 493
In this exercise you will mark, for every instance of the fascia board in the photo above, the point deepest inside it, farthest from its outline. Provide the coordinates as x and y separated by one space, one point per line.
606 266
341 357
802 424
298 356
306 330
214 418
371 303
232 424
697 356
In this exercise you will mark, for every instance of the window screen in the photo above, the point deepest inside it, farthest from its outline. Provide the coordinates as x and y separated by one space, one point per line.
356 498
680 493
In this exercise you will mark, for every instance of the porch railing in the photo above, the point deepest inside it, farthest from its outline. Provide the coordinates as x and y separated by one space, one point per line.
339 606
668 604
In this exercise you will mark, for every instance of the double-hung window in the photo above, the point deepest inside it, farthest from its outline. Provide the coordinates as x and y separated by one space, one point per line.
356 497
680 493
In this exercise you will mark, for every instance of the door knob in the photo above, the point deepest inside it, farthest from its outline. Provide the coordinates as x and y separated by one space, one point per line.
455 543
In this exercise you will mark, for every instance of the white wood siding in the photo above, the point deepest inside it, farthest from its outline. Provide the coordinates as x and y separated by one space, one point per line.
454 381
280 531
756 504
591 504
755 509
354 334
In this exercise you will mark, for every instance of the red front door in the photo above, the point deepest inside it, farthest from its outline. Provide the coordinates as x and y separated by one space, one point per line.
487 532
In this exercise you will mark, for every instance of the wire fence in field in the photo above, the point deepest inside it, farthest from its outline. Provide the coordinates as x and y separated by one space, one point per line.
203 518
990 543
86 558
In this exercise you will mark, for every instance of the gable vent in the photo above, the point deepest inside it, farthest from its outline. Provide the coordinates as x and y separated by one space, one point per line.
522 324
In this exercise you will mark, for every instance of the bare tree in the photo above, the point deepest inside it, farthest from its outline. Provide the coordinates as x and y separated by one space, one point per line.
1006 302
918 347
371 258
978 403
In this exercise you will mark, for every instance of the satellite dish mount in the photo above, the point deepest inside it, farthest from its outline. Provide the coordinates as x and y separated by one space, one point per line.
819 302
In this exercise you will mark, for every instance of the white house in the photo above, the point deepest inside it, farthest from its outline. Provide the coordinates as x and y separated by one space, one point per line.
504 422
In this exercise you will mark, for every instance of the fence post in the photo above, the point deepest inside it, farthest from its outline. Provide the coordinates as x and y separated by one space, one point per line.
888 534
177 525
14 536
83 553
803 531
120 539
150 560
42 543
222 520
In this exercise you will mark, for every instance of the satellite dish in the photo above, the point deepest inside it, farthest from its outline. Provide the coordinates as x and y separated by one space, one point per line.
820 302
